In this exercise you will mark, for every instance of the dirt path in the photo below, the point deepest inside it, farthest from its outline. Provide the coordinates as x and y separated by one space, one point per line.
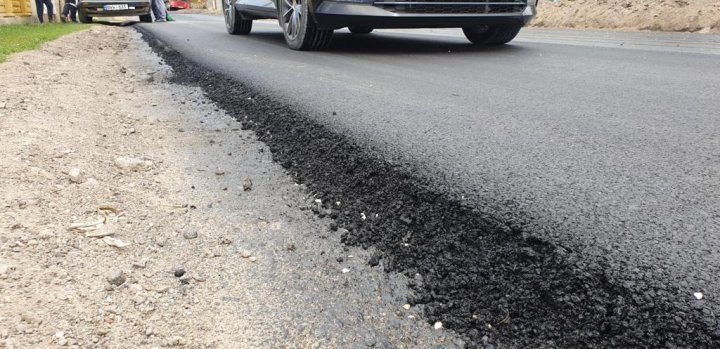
656 15
135 214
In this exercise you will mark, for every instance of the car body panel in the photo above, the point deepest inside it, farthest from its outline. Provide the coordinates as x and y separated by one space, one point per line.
95 8
333 14
178 5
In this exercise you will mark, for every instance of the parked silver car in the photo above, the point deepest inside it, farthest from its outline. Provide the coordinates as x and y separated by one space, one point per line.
309 24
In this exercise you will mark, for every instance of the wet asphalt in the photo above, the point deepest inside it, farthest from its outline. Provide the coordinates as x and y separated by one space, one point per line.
603 146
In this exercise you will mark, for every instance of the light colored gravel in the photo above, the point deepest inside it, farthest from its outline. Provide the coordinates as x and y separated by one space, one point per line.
656 15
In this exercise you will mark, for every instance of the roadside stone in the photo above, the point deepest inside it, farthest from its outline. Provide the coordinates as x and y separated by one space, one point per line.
374 260
132 164
189 233
76 176
247 184
129 89
174 341
438 325
179 272
116 277
4 268
245 253
140 264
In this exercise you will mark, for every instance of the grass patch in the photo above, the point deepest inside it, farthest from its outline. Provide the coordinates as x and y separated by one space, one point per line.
23 37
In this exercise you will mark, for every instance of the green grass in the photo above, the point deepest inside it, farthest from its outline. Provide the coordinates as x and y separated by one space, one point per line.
23 37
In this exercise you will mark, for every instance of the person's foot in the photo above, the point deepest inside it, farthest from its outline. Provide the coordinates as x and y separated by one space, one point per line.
161 20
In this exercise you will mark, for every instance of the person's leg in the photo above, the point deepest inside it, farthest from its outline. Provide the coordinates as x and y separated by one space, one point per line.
162 10
40 10
73 13
50 9
155 9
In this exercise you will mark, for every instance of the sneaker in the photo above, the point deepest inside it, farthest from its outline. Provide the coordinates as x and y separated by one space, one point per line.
160 20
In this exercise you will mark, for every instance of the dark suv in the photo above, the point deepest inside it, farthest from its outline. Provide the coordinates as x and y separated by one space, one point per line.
309 24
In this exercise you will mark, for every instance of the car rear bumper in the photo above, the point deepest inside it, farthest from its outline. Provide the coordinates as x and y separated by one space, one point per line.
95 9
338 14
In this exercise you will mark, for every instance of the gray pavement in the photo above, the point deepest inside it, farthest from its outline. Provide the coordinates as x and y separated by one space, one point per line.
605 143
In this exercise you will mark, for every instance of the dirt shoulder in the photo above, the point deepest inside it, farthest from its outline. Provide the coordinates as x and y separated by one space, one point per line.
663 15
136 214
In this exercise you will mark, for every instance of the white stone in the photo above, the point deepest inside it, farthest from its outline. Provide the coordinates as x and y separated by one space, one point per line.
76 176
132 164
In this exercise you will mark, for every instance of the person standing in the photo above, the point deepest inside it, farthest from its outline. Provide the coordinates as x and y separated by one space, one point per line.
40 9
69 12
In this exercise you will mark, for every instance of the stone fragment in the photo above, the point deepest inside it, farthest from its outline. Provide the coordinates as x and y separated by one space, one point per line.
76 176
247 184
189 233
116 277
133 164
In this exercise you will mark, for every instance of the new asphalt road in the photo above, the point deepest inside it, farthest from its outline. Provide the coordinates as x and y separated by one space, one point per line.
606 144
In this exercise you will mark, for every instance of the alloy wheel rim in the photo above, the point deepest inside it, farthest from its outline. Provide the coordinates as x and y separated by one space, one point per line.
291 17
228 11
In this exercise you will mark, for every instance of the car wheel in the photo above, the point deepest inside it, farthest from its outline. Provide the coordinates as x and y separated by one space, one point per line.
491 35
83 18
360 30
146 18
301 32
234 23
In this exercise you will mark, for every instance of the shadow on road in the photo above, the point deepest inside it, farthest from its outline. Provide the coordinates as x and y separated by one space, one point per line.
391 43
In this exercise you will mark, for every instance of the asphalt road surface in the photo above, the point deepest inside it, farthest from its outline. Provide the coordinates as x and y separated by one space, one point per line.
607 144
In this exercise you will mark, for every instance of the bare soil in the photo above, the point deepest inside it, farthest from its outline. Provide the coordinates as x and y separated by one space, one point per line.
136 214
655 15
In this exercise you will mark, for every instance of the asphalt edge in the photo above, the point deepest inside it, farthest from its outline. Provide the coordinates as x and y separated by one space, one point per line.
492 283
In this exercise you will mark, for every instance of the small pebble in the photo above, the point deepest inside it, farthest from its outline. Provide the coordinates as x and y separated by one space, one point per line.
75 176
115 277
438 325
190 233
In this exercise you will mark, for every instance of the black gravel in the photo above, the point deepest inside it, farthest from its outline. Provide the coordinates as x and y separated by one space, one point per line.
492 283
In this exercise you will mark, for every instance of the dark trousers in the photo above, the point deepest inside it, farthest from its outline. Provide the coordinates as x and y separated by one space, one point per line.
69 10
40 9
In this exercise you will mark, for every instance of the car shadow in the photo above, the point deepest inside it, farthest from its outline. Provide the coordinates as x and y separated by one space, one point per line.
114 22
384 43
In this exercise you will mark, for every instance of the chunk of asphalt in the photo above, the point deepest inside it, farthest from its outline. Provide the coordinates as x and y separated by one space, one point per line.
492 284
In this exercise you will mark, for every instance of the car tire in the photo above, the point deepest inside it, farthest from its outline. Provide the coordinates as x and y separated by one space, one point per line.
360 29
83 18
491 35
234 23
300 31
146 18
